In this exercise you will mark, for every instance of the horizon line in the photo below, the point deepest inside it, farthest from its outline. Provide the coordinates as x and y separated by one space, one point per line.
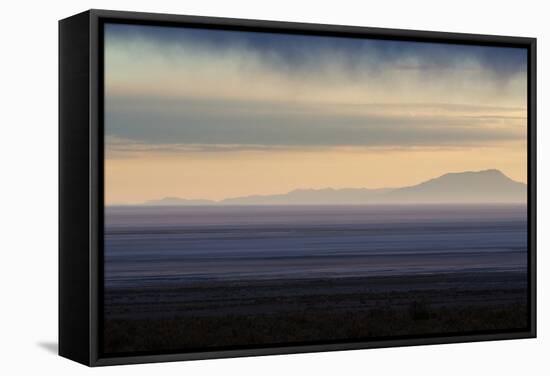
216 202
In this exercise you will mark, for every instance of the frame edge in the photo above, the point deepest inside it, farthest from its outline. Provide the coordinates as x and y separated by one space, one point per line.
74 249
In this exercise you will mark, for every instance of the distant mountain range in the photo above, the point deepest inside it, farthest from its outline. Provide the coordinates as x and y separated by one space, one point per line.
487 186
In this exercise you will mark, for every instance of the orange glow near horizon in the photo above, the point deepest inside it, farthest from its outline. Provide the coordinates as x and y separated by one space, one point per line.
218 175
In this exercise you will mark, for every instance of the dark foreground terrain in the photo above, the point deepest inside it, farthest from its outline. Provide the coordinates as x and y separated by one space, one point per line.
269 312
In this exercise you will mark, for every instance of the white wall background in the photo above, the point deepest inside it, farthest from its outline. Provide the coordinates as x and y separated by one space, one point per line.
28 157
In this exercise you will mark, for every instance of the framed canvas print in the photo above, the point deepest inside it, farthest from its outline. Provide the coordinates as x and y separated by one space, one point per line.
238 187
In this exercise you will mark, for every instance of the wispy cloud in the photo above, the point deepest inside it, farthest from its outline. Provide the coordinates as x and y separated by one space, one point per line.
263 124
209 87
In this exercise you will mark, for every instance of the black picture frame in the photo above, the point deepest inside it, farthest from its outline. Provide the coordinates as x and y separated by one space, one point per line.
81 180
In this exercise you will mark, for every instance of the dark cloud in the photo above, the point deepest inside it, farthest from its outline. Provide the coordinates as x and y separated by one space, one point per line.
289 52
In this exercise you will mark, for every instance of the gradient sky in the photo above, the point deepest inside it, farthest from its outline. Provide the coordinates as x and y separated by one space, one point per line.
197 113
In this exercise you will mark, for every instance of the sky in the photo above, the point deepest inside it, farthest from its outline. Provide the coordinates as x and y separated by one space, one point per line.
214 114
